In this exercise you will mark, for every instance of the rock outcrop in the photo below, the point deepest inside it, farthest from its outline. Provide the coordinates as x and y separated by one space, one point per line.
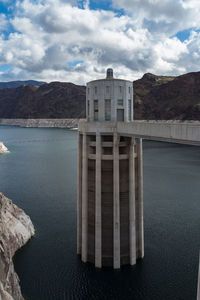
3 148
16 229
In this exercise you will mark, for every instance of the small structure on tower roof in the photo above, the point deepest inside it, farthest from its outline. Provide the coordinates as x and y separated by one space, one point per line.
109 73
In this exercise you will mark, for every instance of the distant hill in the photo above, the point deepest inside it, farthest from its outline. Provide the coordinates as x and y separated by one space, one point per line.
155 97
14 84
53 100
167 98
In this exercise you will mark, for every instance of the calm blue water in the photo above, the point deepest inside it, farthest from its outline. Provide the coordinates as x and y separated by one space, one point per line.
39 175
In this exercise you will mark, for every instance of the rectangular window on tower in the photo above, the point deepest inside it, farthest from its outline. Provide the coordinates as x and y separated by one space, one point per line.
107 90
120 102
129 89
120 89
120 114
107 109
88 108
129 109
96 110
95 90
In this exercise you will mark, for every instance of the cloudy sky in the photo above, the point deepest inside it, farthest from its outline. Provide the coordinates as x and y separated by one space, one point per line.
76 40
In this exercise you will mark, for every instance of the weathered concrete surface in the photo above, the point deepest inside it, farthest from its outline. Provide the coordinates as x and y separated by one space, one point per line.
98 216
167 131
139 199
3 148
132 210
110 199
84 205
111 89
174 131
16 229
58 123
116 203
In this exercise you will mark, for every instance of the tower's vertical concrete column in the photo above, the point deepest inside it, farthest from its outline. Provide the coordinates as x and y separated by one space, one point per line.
84 198
198 287
79 194
132 230
98 237
116 203
139 201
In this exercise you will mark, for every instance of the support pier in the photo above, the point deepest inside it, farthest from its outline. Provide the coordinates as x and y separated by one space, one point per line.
110 199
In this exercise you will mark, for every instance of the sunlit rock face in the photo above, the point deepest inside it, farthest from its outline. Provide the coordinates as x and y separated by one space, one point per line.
3 148
16 229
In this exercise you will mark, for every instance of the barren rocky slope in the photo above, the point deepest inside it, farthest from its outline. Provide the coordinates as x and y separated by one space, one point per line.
155 97
168 98
53 100
16 229
3 148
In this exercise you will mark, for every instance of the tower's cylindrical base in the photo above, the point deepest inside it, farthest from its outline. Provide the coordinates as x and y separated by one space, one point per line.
110 204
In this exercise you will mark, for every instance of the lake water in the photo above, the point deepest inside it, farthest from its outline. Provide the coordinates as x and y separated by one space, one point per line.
40 174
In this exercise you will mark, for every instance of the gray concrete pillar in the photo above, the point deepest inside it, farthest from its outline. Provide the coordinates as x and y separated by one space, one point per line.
116 203
98 237
84 198
132 232
79 194
139 200
198 285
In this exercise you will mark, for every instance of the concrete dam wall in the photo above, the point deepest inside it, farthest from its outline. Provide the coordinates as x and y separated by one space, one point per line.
59 123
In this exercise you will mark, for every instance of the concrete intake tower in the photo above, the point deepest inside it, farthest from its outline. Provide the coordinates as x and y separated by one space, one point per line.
110 180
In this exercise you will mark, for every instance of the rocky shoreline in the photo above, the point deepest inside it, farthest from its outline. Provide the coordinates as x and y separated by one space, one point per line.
3 148
16 229
57 123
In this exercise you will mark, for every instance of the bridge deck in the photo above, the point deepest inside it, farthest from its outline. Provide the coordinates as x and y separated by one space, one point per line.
168 131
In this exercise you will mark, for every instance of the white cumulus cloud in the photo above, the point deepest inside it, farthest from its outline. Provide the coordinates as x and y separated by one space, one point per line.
59 40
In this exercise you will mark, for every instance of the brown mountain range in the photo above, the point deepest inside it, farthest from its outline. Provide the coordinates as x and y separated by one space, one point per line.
53 100
155 97
165 98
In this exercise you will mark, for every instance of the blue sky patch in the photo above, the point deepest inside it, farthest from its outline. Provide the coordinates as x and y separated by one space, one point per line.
3 8
74 63
101 5
184 35
8 8
5 67
105 5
